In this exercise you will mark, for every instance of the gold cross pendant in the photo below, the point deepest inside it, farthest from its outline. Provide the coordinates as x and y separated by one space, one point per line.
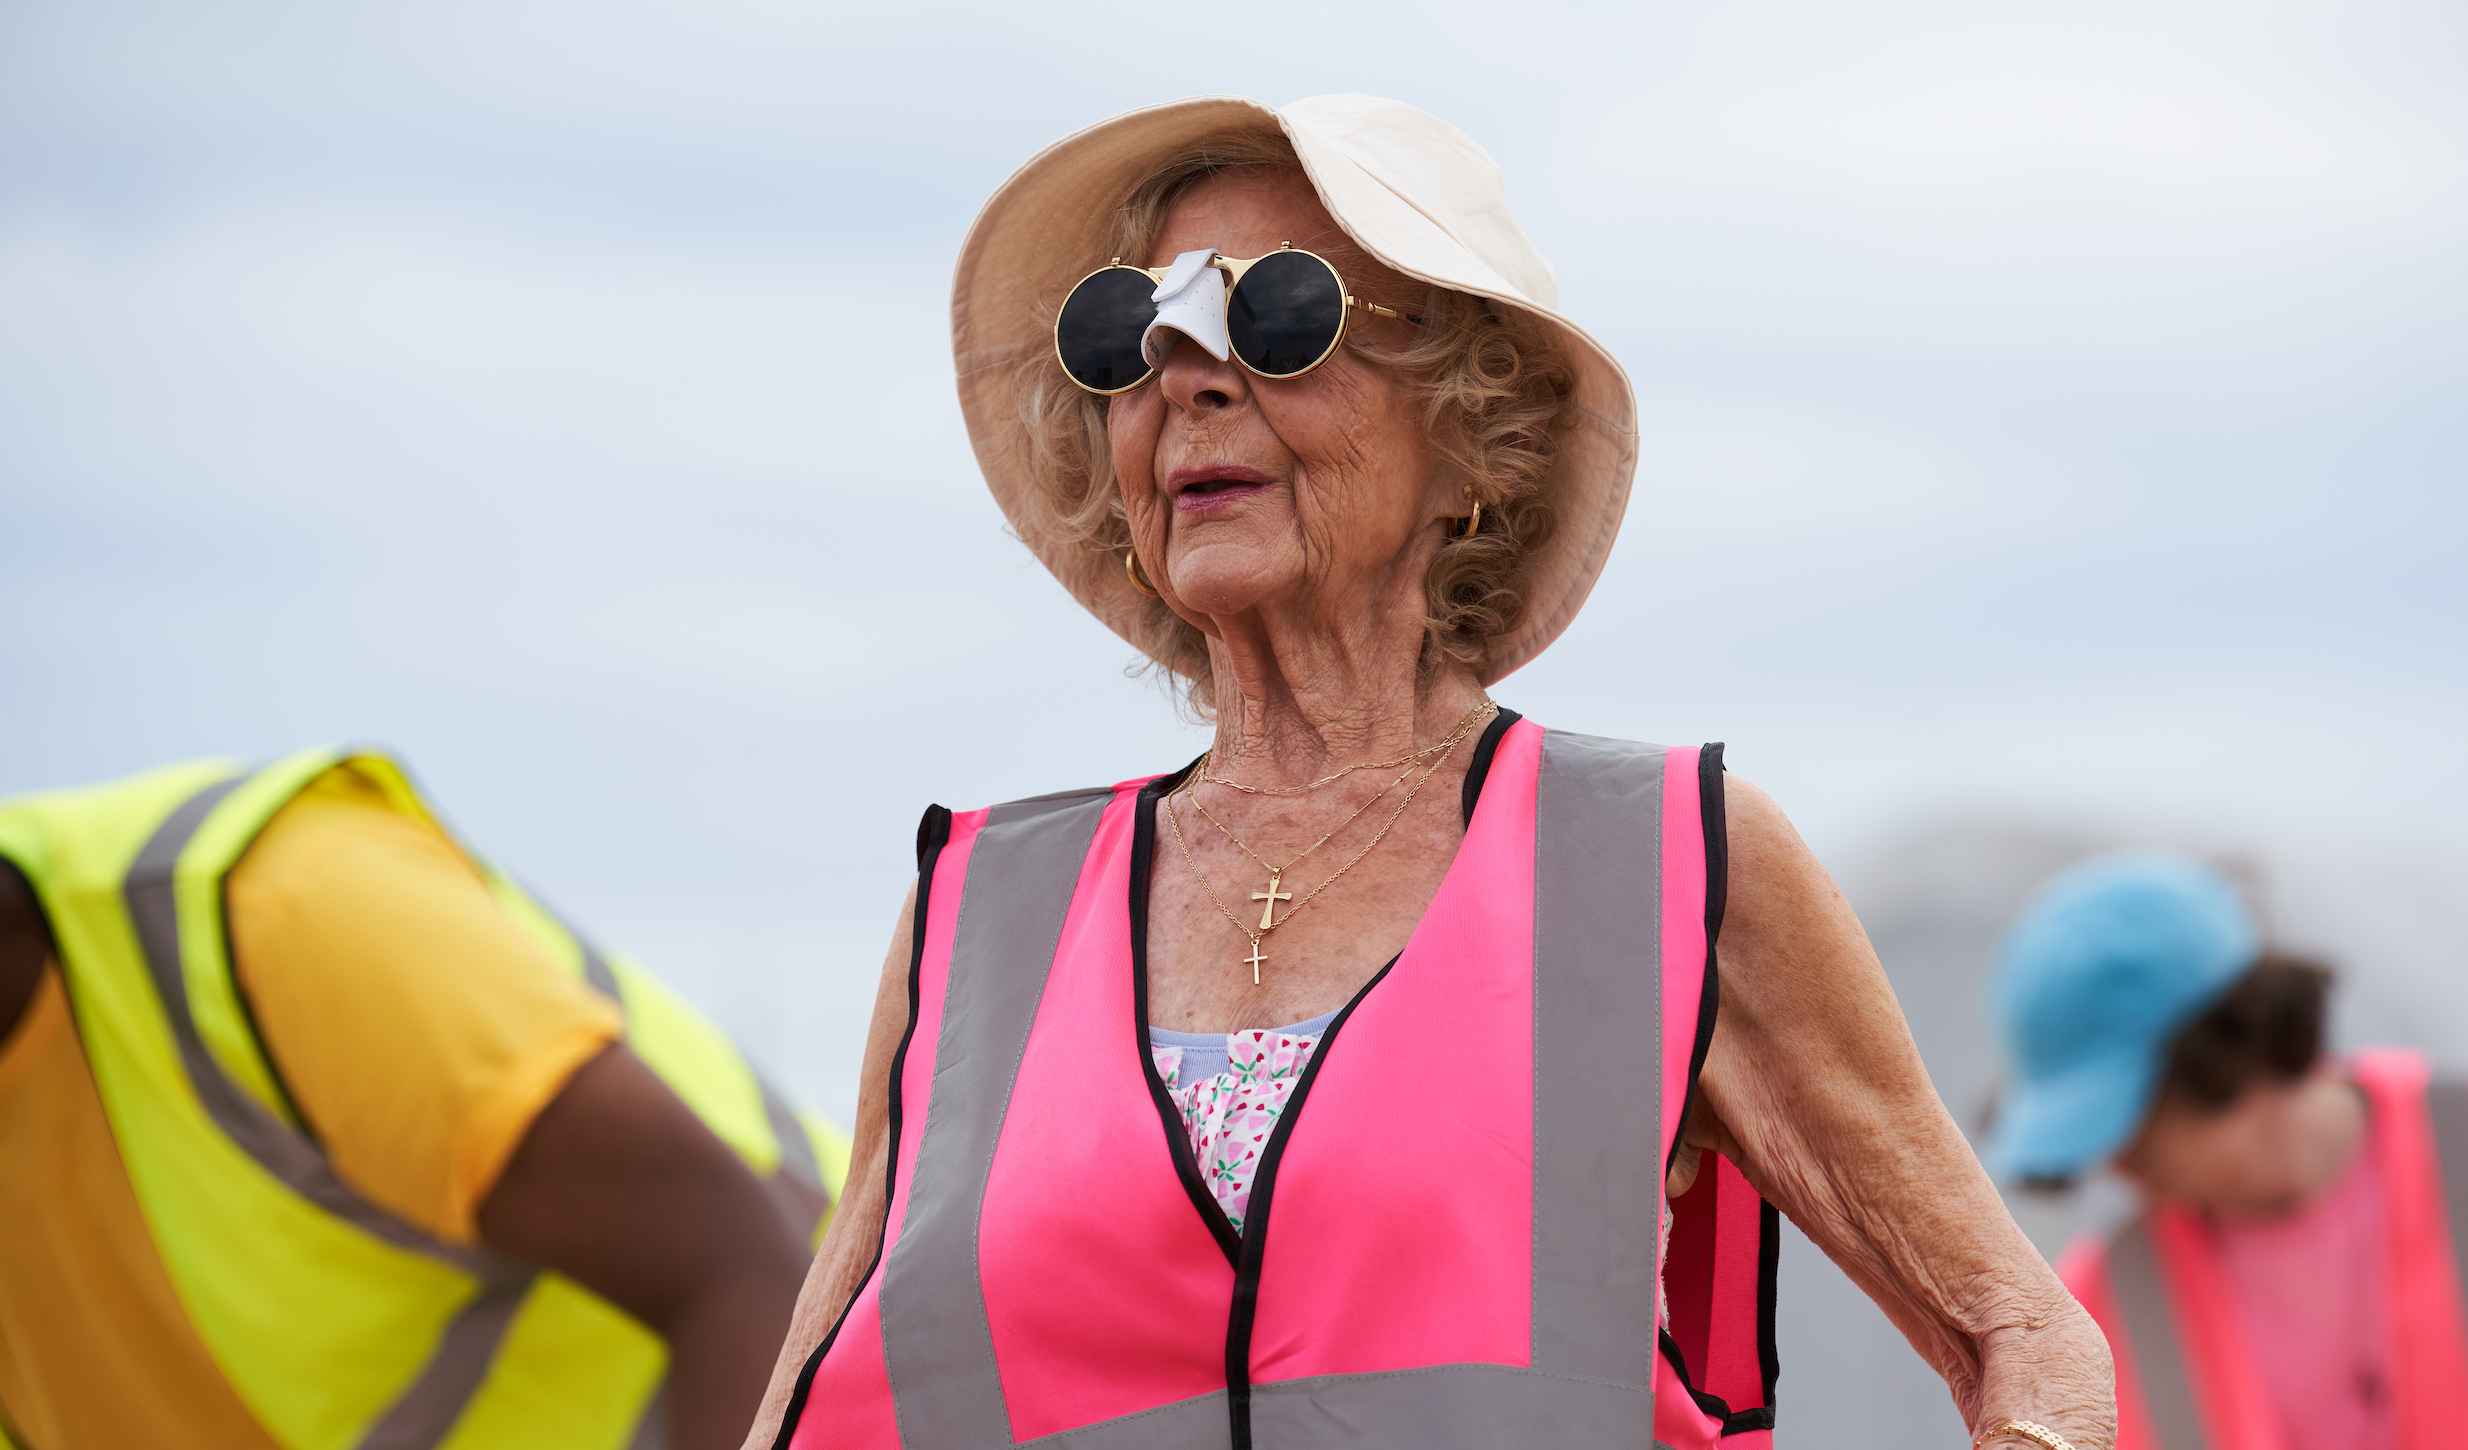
1257 956
1271 896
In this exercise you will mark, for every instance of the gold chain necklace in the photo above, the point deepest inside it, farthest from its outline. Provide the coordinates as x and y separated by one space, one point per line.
1483 709
1275 872
1269 898
1272 895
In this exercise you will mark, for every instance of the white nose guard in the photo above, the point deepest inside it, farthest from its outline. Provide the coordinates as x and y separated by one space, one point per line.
1191 301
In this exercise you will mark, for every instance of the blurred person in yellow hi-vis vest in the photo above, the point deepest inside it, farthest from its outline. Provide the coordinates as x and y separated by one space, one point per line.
317 1132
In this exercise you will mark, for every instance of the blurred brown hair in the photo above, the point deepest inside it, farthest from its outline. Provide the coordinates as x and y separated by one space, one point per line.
2267 1029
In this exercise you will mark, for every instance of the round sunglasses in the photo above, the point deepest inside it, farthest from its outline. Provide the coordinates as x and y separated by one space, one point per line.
1285 314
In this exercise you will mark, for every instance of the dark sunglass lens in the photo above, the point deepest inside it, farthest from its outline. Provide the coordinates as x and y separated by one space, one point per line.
1285 314
1097 334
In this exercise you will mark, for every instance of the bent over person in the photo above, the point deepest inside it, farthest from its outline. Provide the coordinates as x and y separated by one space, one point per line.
316 1131
2294 1279
1375 1079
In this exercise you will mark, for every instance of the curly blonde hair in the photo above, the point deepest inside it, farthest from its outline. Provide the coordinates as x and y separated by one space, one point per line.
1490 383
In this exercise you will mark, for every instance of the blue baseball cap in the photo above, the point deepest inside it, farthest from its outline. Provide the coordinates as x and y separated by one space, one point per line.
2106 962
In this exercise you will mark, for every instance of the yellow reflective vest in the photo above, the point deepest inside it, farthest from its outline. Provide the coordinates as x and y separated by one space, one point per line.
339 1324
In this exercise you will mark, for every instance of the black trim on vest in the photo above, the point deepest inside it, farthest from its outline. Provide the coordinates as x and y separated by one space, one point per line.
1715 1407
1254 1241
1478 770
933 833
1769 1361
1245 1250
1177 1141
1738 1421
1246 1305
1713 821
1769 1282
1717 885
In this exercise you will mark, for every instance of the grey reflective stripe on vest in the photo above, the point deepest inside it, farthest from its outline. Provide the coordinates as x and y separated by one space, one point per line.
427 1410
1450 1404
1021 873
1197 1423
596 970
1597 986
1597 1156
424 1413
2446 1106
651 1428
796 1149
1597 1161
2134 1276
2151 1337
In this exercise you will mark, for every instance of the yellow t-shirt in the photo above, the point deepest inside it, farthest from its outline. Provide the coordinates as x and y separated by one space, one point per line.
419 1031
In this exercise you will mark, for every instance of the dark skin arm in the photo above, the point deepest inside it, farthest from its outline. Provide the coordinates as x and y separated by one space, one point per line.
25 944
619 1187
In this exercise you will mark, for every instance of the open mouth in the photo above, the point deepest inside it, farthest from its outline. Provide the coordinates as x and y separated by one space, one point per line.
1198 490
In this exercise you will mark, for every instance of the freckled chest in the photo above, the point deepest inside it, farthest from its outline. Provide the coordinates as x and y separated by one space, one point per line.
1317 958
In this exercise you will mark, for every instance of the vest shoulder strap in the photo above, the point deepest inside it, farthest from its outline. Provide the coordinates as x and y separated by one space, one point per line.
2160 1367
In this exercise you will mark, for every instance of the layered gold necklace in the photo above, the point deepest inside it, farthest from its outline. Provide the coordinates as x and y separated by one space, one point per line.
1427 760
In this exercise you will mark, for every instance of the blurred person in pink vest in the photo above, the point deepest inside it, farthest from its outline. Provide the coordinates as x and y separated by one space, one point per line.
2293 1280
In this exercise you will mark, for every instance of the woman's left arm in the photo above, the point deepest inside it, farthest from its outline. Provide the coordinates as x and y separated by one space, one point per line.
1813 1087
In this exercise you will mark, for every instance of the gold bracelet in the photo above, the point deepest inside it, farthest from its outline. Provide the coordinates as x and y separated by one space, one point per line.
2040 1434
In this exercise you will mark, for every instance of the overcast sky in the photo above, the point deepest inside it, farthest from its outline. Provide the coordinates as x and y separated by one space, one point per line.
2049 411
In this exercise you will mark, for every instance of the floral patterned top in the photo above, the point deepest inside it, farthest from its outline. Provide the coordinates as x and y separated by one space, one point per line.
1228 1114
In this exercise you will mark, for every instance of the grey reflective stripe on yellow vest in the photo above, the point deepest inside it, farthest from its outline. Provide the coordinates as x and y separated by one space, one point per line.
184 827
1597 982
427 1410
2161 1362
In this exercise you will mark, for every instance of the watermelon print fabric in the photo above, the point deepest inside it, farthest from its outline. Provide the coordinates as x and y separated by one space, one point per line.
1228 1116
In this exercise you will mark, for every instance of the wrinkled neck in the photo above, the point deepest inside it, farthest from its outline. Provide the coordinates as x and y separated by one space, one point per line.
1283 729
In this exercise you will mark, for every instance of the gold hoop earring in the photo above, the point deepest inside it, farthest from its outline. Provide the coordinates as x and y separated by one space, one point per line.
1467 527
1131 571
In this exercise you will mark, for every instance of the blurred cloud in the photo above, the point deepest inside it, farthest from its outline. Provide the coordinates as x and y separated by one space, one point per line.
508 361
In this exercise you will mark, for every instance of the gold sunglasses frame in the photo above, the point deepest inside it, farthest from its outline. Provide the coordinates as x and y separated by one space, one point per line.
1234 268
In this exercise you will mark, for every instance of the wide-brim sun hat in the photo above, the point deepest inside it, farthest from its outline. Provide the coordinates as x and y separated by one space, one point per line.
1412 191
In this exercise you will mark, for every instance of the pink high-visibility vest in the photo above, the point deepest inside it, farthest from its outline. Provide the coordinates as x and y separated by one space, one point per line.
1473 1267
2186 1375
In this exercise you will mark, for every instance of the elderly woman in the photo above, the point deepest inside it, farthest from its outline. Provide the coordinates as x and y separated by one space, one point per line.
1424 987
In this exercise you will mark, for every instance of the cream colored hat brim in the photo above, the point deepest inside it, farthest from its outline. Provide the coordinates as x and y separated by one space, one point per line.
1388 175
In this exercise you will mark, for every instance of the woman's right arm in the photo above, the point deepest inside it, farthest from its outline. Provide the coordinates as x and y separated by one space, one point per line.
857 1225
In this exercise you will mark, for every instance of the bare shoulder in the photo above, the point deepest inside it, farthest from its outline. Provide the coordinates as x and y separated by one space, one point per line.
1773 875
1791 946
891 992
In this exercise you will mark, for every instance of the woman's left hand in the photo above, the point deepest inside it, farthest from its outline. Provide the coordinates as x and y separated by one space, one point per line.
1813 1087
